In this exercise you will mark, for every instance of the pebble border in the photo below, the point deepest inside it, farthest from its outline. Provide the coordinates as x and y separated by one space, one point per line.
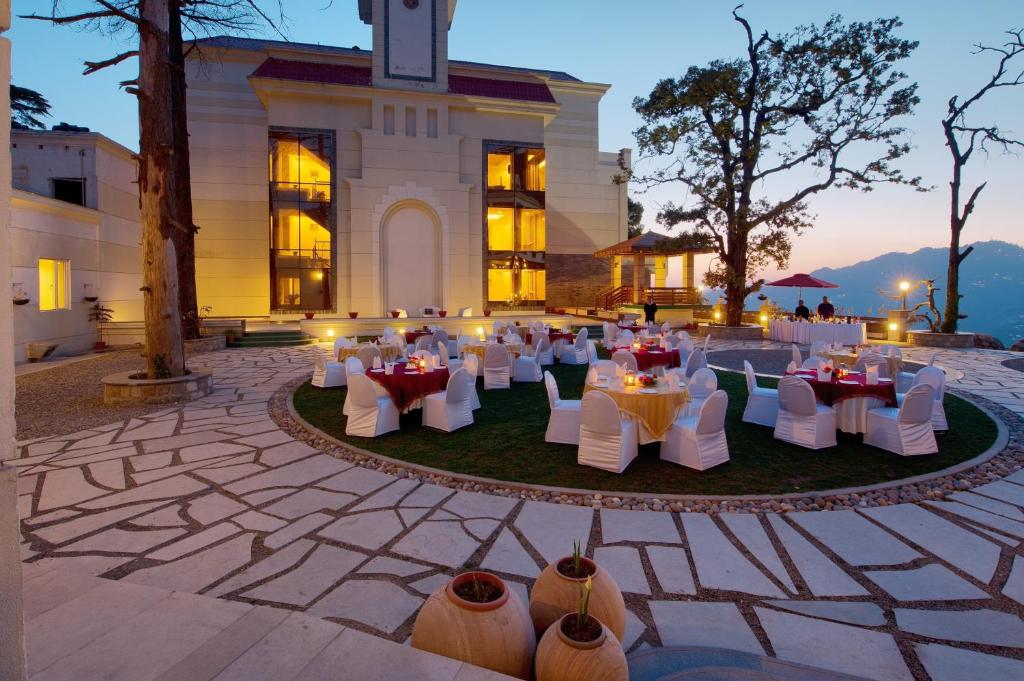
1005 457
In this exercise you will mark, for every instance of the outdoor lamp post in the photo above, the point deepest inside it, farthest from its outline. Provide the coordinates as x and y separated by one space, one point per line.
904 288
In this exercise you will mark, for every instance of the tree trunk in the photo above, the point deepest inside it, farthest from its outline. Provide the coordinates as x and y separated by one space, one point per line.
951 316
736 280
184 239
157 183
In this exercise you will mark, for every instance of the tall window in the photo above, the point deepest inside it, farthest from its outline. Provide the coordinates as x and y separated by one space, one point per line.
515 225
54 281
301 219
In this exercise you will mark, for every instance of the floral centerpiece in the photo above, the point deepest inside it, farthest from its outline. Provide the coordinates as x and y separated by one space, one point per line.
648 380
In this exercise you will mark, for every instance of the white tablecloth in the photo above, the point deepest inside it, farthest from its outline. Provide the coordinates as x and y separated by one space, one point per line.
806 333
852 413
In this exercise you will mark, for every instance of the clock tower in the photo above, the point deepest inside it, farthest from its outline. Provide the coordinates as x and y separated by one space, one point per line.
410 42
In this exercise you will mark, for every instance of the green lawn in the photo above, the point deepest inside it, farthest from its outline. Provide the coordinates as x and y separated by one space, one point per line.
506 442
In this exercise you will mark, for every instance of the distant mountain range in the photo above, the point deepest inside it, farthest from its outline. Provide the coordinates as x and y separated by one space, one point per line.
991 281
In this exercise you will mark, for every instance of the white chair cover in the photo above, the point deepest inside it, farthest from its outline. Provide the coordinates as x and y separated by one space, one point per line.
353 367
526 369
564 421
607 440
813 362
873 359
577 352
802 420
451 408
403 314
762 403
369 414
817 347
698 441
605 368
326 372
624 358
339 343
792 367
591 351
496 367
707 339
703 382
471 363
610 334
466 312
937 380
683 335
367 354
624 338
696 360
388 332
797 357
452 364
907 431
545 354
424 343
666 328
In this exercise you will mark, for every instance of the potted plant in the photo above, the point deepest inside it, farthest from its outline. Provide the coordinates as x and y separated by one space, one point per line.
477 619
442 313
231 335
578 647
309 315
487 312
19 295
394 314
353 315
89 296
556 590
99 315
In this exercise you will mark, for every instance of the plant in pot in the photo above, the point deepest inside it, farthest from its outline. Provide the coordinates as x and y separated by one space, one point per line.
477 619
556 591
99 315
18 293
89 295
579 647
353 315
309 315
394 314
487 312
442 313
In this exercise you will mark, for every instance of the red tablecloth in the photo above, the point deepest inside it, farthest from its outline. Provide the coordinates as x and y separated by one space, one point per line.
647 358
411 336
632 327
830 392
553 336
405 387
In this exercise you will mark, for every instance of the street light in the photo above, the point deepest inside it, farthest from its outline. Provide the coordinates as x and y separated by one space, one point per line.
904 287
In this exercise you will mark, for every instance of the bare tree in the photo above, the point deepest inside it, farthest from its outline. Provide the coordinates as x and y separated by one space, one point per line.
165 198
963 139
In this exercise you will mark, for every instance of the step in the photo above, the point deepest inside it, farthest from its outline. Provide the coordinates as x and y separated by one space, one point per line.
272 342
697 663
272 334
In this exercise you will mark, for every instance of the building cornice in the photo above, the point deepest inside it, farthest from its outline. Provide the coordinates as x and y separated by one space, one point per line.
23 199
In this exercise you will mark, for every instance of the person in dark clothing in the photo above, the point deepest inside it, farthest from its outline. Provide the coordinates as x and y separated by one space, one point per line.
801 310
826 310
650 310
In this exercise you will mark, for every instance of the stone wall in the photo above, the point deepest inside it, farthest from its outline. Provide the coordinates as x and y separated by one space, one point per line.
574 280
941 340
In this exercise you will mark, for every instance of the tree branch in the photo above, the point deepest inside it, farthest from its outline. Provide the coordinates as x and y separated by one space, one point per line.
94 66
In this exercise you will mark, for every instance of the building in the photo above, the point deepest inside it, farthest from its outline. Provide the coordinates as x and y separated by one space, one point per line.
75 236
335 180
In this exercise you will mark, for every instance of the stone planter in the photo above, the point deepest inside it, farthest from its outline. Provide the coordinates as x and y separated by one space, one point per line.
496 635
555 594
927 339
205 344
122 389
39 350
560 658
746 332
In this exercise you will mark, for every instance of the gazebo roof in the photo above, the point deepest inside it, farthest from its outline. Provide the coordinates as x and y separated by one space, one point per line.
649 243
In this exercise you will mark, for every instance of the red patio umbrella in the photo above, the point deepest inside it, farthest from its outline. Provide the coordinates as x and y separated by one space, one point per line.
802 281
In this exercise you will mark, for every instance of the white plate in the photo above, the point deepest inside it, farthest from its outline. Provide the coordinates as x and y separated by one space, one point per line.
849 382
600 384
885 380
376 371
648 391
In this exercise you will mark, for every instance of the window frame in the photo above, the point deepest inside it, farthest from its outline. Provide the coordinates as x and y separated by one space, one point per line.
61 284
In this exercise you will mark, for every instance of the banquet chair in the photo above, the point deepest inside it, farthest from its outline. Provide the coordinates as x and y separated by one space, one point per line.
607 440
625 359
666 328
937 380
698 441
625 338
610 333
685 349
873 359
423 343
707 339
451 408
605 368
564 421
577 352
353 367
446 360
526 369
762 403
797 357
817 347
326 372
402 314
498 327
671 342
591 352
545 355
367 354
465 312
696 360
906 430
339 343
813 362
931 361
496 367
398 341
703 382
683 335
792 367
802 419
370 414
471 363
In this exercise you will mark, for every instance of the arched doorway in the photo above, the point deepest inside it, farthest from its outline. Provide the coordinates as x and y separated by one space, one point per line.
411 258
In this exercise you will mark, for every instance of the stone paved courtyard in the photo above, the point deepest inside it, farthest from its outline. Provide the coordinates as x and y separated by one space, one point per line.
213 498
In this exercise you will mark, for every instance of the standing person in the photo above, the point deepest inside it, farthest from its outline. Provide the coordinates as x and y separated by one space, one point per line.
650 309
826 310
802 311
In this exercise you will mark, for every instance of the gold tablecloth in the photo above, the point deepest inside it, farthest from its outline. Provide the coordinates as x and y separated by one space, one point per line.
388 353
656 412
479 350
850 359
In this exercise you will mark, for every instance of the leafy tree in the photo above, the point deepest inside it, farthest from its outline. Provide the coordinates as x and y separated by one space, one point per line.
752 138
963 139
636 216
26 106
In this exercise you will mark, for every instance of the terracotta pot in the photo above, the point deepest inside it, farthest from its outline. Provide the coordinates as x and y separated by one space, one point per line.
309 315
554 594
487 313
99 345
442 313
394 314
353 315
495 635
559 658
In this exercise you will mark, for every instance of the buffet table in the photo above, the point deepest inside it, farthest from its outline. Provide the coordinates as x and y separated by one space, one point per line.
805 333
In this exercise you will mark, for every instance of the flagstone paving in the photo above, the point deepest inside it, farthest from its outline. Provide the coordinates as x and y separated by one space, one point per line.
212 498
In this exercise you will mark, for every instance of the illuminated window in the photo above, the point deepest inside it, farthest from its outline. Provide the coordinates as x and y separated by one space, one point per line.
499 171
500 228
301 219
54 276
531 230
532 170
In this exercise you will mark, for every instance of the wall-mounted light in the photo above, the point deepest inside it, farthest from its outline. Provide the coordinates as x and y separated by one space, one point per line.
330 333
893 326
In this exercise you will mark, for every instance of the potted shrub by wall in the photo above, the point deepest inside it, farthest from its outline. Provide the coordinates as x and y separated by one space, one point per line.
487 312
556 592
309 315
18 294
394 314
579 647
442 313
353 315
99 315
477 619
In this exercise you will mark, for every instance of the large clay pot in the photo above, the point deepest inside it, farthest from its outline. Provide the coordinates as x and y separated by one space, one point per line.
559 658
554 594
495 635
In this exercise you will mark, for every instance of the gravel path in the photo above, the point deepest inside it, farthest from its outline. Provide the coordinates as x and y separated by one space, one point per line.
772 362
1015 364
69 397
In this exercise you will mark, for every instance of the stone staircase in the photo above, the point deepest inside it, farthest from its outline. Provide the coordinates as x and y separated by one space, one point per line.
272 339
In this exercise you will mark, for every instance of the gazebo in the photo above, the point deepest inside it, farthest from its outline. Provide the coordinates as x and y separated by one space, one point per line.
639 248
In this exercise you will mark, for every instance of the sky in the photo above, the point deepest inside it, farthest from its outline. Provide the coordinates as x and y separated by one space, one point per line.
632 45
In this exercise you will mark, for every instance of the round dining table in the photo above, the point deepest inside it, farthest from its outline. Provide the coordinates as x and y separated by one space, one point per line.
388 353
851 397
407 387
648 357
655 409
